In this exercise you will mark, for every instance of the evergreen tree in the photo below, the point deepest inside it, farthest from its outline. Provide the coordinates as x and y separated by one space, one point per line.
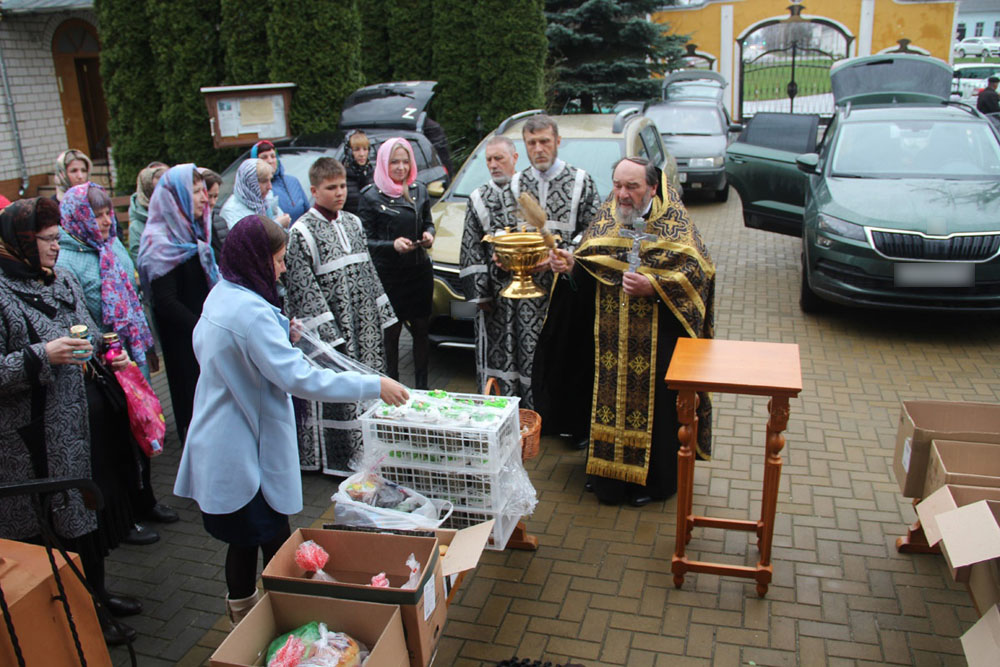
244 40
457 98
323 62
132 97
511 62
375 41
410 43
603 51
184 42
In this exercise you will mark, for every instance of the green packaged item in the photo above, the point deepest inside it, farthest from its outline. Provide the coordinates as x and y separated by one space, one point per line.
495 402
438 393
308 633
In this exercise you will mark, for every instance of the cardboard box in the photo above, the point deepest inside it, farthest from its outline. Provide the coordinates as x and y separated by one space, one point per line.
970 542
377 626
356 556
923 421
982 642
962 463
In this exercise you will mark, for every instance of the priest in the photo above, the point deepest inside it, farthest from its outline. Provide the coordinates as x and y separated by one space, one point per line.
640 279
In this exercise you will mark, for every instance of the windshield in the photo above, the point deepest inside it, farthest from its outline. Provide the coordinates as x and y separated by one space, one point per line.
686 120
699 89
917 149
595 156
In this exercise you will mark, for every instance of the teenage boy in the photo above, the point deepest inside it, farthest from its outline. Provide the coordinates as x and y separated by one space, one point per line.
332 288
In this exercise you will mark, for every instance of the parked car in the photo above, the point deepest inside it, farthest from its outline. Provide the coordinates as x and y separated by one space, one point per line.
382 111
977 46
897 205
971 78
589 141
687 84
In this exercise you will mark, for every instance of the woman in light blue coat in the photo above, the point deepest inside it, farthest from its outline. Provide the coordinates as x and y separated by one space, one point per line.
241 458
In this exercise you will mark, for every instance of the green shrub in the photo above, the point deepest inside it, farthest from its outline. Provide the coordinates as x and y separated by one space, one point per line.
244 40
375 41
457 99
410 42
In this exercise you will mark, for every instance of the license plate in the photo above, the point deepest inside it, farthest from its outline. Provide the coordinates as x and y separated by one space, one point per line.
463 310
682 177
931 274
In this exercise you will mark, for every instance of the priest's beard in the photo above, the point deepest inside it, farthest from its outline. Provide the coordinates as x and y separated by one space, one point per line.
625 214
501 180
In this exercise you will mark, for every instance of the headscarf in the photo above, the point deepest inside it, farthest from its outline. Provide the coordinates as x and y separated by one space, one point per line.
18 248
291 197
262 146
62 163
383 181
121 309
247 259
172 235
247 187
361 171
145 180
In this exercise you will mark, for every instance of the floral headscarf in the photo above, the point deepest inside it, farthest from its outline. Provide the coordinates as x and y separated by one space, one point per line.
247 187
145 180
172 235
62 164
247 259
121 309
18 248
383 181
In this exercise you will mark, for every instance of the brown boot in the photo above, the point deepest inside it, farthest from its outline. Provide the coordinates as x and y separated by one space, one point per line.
237 609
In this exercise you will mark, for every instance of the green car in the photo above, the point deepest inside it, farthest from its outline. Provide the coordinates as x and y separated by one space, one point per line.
897 204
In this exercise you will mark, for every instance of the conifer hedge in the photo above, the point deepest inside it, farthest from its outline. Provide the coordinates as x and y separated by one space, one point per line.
244 40
375 41
456 99
130 91
316 45
411 38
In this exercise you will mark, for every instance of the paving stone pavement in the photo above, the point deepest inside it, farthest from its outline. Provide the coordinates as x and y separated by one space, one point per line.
598 590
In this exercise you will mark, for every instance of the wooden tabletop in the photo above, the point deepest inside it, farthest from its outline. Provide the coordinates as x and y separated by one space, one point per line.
735 366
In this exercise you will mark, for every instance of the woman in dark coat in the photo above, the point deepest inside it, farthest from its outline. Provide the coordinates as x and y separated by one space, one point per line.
177 269
396 214
360 170
55 419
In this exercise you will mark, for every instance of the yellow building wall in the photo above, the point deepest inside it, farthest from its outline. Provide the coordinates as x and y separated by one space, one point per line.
929 26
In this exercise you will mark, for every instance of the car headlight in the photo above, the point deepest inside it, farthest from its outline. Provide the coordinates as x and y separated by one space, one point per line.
706 161
848 230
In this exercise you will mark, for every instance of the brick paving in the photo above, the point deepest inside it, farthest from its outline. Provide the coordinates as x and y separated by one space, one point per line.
599 591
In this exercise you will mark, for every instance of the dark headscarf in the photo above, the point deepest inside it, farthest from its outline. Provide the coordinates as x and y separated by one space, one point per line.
19 224
247 259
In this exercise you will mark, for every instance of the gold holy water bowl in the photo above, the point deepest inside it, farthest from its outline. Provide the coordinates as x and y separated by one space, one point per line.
519 253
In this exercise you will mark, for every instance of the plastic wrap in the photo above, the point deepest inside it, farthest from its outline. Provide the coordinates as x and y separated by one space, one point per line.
522 499
367 499
414 566
312 558
440 408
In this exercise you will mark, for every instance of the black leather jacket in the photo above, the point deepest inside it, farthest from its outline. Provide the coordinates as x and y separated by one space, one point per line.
387 218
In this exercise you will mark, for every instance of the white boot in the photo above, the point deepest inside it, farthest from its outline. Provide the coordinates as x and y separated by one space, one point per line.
237 609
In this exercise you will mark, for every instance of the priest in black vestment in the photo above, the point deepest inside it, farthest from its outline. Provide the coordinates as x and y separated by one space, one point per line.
640 279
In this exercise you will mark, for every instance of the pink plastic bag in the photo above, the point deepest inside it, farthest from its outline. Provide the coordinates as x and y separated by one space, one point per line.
145 416
311 557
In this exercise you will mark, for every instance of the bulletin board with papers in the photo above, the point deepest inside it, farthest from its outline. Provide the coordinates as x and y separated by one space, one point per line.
243 115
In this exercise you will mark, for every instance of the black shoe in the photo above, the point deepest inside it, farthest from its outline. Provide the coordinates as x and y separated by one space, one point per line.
420 380
117 633
582 443
640 501
140 535
162 514
588 487
122 605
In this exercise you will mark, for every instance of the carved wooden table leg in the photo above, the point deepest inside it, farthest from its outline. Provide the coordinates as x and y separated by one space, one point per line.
776 423
687 403
520 539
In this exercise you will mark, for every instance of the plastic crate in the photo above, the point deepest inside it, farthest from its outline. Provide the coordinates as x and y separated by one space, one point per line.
502 529
480 448
466 488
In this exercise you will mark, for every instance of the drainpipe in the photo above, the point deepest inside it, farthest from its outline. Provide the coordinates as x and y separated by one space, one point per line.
13 122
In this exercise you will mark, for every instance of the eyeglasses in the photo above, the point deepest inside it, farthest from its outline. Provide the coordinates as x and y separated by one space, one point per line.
50 239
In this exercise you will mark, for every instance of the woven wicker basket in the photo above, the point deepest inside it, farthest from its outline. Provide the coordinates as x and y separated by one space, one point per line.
530 438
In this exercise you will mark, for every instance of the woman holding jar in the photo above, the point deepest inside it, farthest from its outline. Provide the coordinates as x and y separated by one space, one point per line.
396 213
55 418
177 269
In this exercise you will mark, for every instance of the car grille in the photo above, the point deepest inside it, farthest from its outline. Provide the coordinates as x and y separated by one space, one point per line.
971 248
448 274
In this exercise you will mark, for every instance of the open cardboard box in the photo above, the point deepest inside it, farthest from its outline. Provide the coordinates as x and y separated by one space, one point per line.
982 642
964 463
377 626
946 499
970 542
356 556
923 421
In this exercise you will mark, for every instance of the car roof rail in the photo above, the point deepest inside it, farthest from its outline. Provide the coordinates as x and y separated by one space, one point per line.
968 108
847 109
516 117
621 118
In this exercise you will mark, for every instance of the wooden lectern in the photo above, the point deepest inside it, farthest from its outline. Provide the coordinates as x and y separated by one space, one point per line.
740 367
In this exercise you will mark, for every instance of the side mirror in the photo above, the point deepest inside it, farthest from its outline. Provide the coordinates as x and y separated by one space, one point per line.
435 189
736 127
807 162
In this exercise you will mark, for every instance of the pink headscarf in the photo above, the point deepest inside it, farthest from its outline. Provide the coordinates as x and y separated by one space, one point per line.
383 181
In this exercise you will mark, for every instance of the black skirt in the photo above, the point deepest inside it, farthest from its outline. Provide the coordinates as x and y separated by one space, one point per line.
410 290
253 524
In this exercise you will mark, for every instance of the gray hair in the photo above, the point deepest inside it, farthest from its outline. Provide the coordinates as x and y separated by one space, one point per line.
539 123
98 198
652 177
507 142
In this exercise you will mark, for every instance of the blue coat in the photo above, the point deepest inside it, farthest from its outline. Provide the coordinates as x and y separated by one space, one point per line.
291 197
242 435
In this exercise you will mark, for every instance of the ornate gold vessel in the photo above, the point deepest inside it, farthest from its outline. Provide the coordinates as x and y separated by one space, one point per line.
519 252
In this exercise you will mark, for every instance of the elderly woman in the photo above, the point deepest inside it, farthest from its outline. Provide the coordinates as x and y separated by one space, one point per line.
253 183
56 421
73 167
396 214
177 269
90 249
360 169
286 188
248 481
138 205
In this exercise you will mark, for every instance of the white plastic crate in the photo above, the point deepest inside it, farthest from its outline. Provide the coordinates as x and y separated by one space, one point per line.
502 529
466 488
467 447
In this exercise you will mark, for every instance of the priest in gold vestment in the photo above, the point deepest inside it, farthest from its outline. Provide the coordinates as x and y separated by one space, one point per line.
640 279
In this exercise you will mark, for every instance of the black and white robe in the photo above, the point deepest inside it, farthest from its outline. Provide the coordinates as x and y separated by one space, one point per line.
568 195
332 287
